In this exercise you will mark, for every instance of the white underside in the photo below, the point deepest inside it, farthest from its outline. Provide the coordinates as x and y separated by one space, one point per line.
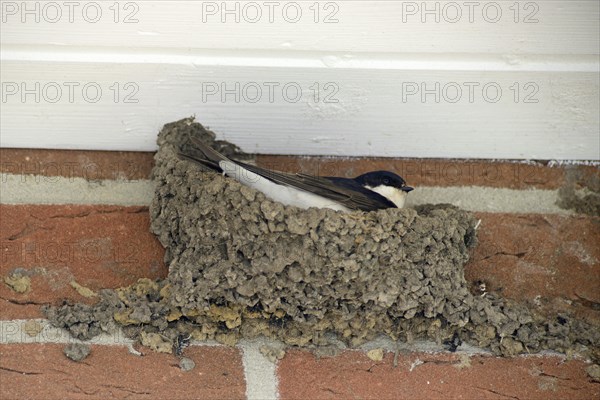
395 195
283 194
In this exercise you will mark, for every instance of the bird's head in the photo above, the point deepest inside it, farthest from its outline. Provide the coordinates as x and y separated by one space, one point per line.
387 184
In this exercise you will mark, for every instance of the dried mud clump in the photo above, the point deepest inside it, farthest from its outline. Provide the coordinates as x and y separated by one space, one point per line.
241 265
581 193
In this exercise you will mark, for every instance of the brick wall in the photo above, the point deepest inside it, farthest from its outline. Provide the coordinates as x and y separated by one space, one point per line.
74 222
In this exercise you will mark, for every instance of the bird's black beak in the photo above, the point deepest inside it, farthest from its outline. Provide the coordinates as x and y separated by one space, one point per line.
407 189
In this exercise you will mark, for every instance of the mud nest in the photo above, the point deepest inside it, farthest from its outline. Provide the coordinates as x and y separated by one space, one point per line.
241 265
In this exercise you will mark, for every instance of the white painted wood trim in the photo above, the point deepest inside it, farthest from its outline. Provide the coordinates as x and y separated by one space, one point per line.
369 84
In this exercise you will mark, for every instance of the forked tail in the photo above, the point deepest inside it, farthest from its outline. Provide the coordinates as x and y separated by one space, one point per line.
211 158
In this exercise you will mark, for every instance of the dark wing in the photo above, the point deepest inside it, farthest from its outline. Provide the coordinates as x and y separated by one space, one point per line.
201 161
212 157
344 191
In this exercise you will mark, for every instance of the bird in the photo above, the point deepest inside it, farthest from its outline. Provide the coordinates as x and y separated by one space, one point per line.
371 191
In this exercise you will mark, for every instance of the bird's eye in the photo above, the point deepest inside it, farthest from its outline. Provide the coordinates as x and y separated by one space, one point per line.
386 181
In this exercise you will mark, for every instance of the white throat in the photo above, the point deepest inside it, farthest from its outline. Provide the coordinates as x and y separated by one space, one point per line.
395 195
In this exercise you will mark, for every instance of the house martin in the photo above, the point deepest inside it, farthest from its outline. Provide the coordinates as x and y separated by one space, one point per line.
367 192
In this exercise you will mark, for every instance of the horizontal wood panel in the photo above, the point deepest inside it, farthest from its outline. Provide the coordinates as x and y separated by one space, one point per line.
485 27
301 110
360 78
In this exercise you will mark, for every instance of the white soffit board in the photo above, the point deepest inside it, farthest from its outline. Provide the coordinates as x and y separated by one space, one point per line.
358 78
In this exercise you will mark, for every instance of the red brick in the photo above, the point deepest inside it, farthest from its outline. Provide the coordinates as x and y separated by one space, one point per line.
418 172
96 246
88 164
17 309
37 371
554 257
352 375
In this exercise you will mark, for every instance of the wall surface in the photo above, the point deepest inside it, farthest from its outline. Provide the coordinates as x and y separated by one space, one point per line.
504 79
77 222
